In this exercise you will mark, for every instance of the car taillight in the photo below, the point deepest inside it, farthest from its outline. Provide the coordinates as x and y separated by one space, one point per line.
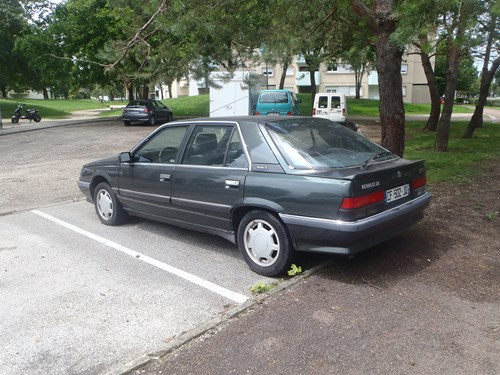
352 203
289 113
257 113
418 182
314 111
146 110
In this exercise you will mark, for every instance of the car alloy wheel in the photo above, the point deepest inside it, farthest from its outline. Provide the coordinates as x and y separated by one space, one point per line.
108 208
265 243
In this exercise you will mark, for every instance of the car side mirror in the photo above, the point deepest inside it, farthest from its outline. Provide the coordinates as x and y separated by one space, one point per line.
125 157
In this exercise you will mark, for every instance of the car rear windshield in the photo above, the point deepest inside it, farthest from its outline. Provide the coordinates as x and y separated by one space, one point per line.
314 143
274 97
137 104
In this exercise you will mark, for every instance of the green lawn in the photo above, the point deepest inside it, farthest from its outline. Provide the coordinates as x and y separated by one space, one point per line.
460 163
51 108
195 106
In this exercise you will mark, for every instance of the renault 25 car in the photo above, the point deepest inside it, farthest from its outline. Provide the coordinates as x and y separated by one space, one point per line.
272 185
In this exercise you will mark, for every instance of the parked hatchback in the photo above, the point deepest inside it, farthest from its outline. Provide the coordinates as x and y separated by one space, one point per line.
272 185
148 111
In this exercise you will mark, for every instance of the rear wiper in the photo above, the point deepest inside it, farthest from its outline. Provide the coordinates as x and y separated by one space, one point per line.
374 157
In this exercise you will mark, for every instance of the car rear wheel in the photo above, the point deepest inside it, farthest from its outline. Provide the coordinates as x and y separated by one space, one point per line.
152 121
108 208
265 244
126 123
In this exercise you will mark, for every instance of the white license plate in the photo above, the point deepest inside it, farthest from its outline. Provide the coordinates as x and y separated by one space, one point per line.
273 113
399 192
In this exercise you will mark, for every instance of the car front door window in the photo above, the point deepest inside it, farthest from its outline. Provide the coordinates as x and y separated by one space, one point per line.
162 148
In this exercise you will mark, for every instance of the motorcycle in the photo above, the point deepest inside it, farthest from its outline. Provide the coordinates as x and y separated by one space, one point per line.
30 114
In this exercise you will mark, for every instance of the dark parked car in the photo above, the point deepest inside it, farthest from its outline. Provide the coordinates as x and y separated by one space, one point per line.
272 185
148 111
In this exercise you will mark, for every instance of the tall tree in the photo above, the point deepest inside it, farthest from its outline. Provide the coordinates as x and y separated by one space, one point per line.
457 23
12 24
491 30
381 16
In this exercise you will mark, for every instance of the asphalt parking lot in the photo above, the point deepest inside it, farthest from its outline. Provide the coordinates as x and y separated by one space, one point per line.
80 297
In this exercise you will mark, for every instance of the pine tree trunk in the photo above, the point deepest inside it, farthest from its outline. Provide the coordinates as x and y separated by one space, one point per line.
392 114
283 76
443 131
477 118
432 122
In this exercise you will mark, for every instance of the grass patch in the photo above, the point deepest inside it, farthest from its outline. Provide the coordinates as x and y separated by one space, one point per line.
194 106
460 163
189 106
56 108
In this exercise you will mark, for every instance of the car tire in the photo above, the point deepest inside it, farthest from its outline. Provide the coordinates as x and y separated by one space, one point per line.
107 206
152 121
265 243
126 123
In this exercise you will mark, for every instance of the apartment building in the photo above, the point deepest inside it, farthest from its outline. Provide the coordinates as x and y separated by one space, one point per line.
330 78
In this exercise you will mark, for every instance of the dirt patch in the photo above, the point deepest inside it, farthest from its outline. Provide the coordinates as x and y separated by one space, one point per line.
456 247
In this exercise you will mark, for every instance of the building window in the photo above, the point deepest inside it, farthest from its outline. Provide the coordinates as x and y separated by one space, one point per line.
404 90
267 71
338 68
404 68
346 90
290 71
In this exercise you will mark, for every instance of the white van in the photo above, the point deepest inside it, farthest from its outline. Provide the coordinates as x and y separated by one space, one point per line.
332 106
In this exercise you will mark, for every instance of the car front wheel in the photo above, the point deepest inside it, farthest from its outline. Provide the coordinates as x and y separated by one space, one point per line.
265 244
108 208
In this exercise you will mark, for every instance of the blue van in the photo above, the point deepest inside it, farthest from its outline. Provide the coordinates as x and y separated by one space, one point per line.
277 102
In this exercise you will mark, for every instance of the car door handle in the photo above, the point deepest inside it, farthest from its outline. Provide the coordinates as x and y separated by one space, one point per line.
232 184
164 177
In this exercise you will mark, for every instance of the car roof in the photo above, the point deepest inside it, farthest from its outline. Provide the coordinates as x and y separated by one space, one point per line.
238 119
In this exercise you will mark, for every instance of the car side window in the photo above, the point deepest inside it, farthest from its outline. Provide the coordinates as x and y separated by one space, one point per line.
235 154
162 147
207 145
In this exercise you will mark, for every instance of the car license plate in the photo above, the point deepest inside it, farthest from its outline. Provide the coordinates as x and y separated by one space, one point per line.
399 192
273 113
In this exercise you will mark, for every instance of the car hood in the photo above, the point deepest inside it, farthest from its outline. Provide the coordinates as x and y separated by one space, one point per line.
110 161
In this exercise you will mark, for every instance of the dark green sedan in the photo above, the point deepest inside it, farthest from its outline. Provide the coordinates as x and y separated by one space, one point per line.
272 185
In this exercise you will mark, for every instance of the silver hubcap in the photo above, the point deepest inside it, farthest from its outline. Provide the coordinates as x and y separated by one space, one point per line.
261 243
104 204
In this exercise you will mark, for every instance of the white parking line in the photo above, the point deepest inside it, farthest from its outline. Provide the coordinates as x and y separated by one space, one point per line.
236 297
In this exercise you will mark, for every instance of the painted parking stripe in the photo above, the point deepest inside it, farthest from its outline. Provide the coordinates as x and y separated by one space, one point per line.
236 297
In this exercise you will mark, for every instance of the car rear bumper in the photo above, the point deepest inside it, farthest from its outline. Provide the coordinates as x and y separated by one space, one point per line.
342 237
136 117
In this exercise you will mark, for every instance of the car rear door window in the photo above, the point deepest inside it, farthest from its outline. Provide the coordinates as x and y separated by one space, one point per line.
207 145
